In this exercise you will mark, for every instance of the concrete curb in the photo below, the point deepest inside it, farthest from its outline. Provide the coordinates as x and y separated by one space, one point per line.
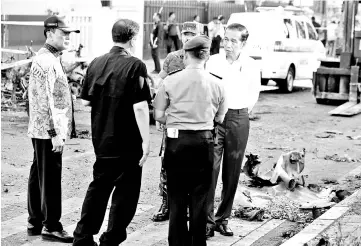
328 219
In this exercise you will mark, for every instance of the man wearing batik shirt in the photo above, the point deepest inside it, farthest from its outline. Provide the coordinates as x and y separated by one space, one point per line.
50 112
172 63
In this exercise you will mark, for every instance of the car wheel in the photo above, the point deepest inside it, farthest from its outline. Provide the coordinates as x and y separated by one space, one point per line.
264 81
286 85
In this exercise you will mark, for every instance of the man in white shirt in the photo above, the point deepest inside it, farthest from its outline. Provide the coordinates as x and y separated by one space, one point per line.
242 80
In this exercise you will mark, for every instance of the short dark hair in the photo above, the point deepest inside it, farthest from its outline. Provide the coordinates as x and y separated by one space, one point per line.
47 29
313 18
221 17
170 13
241 28
195 17
124 30
215 18
202 54
159 15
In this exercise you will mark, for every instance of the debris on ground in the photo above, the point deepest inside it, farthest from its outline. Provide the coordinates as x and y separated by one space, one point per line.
337 158
329 181
9 184
79 150
6 190
288 169
355 137
83 134
253 117
250 213
314 187
334 132
281 207
324 135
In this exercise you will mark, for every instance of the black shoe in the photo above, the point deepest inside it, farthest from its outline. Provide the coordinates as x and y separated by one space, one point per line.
155 72
209 232
61 236
34 230
225 230
163 212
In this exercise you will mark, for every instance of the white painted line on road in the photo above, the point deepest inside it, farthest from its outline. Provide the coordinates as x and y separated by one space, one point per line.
259 232
141 208
19 224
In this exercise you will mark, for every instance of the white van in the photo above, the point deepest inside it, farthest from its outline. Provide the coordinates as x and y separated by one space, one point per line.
285 45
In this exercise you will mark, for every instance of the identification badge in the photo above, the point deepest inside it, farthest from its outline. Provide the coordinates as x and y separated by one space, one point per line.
172 132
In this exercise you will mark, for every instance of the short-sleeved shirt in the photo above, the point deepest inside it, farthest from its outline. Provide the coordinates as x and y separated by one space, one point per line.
158 33
192 98
49 96
174 61
112 86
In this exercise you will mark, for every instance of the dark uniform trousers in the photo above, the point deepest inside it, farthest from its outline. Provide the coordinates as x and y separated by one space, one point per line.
232 141
123 174
155 56
189 166
44 186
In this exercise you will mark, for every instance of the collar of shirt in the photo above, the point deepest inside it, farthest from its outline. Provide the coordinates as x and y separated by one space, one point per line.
118 49
195 66
53 50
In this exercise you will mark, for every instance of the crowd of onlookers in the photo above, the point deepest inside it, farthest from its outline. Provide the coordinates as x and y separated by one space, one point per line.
169 34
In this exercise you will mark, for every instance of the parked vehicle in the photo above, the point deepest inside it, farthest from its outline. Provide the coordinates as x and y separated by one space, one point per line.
285 45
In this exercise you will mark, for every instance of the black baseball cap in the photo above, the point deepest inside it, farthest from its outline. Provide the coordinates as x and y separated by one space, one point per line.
56 22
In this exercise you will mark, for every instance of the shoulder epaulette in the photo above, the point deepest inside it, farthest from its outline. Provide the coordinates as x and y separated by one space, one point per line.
175 71
216 76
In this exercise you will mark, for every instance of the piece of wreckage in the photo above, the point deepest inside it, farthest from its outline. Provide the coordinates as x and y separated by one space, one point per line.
281 192
288 169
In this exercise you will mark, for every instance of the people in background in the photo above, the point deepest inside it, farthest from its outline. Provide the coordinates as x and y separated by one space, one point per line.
156 39
216 34
331 38
172 33
196 18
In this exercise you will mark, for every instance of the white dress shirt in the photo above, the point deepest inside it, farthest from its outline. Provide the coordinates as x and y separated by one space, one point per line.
242 79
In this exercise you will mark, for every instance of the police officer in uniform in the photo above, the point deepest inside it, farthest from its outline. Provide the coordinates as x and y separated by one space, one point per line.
194 99
173 62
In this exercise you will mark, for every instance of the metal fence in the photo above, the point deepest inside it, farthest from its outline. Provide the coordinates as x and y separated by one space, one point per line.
185 11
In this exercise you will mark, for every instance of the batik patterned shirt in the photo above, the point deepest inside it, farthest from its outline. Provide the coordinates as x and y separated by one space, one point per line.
49 96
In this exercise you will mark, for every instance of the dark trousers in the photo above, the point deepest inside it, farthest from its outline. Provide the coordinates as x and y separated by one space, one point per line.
171 40
125 175
155 56
44 186
232 142
216 44
188 163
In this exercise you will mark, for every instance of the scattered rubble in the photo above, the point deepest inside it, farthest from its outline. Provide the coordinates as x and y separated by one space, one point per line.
287 169
334 132
337 158
324 135
355 137
83 134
